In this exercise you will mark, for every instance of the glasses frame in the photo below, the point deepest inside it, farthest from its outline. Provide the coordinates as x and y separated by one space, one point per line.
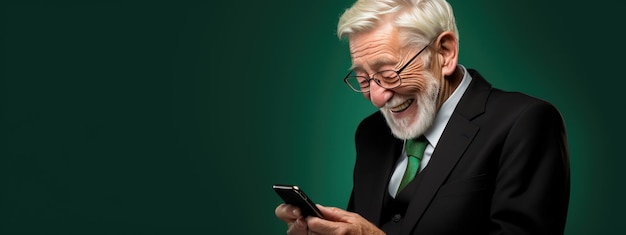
345 79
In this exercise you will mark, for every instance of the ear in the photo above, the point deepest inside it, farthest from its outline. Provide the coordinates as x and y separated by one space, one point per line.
447 45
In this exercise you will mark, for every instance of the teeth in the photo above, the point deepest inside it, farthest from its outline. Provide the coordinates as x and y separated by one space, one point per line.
402 106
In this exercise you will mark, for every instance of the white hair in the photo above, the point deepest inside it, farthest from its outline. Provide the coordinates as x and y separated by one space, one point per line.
418 21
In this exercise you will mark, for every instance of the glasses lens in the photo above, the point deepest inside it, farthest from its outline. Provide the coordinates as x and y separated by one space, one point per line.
358 83
388 78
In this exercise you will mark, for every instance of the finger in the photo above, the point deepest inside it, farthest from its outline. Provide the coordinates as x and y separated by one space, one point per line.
298 227
339 221
334 213
322 226
300 224
287 213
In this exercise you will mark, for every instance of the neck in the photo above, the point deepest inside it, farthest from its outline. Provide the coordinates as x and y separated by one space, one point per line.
449 85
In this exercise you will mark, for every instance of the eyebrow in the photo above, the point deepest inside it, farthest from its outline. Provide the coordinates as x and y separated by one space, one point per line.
376 64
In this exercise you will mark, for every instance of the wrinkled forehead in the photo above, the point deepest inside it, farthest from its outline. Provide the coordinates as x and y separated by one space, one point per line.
374 48
384 33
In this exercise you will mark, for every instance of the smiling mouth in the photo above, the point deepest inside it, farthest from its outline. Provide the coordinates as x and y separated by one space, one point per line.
402 106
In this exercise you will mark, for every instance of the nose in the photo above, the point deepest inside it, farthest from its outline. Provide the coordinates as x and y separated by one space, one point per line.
379 95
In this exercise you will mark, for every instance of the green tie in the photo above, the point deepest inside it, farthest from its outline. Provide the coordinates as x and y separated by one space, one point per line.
414 151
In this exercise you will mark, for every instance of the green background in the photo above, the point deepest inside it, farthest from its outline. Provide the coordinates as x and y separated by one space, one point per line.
176 117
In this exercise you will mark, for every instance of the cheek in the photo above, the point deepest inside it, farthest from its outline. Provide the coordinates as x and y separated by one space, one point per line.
366 95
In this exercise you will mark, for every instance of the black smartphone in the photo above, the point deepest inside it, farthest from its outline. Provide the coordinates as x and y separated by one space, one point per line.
293 195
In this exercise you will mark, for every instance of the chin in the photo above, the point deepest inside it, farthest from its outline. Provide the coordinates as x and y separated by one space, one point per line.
409 127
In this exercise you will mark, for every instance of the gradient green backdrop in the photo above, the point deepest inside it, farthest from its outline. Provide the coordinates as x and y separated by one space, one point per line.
176 117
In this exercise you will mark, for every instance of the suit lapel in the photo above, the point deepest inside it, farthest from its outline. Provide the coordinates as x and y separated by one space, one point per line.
459 133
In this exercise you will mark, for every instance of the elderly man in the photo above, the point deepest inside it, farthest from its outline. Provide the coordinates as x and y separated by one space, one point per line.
446 153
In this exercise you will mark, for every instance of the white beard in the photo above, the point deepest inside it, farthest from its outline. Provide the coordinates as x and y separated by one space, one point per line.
426 112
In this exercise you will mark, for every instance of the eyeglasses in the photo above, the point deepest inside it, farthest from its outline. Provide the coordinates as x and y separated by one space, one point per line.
386 79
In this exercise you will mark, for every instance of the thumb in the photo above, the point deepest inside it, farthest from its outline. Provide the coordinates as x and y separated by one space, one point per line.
333 213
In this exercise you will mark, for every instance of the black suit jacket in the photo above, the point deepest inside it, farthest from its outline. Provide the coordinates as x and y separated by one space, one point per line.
500 167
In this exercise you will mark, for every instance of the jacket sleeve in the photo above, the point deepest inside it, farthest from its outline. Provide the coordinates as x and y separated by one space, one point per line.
532 187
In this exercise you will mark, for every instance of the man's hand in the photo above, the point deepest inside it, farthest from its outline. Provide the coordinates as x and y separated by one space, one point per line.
337 221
